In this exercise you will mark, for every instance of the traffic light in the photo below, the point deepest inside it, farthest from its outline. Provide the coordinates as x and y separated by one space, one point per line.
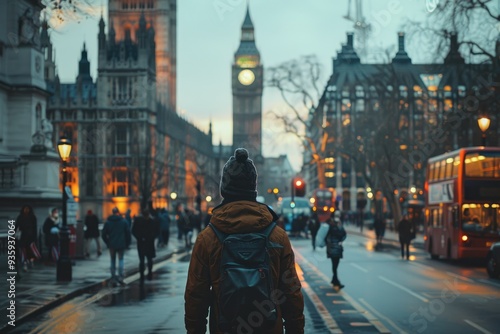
300 187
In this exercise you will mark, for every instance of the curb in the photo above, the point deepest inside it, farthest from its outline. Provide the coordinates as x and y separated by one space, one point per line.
75 293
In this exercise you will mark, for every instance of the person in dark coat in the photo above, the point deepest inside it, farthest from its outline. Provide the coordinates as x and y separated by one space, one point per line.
92 232
145 230
26 224
332 234
183 224
164 219
405 235
116 235
314 224
51 233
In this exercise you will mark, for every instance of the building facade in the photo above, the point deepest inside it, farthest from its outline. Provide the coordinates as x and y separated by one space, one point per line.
421 109
130 149
29 164
125 18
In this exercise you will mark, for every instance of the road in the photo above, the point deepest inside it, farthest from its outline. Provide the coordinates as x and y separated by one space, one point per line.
383 294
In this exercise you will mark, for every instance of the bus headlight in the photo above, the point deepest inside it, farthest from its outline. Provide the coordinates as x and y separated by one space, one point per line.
465 238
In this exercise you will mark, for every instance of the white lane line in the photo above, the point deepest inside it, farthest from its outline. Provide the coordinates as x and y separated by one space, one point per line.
489 282
357 266
373 320
416 295
381 316
463 278
476 326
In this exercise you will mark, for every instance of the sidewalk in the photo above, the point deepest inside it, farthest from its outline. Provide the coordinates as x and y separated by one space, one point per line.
38 291
390 237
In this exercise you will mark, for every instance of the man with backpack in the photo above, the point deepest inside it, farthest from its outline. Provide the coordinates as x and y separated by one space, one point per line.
242 267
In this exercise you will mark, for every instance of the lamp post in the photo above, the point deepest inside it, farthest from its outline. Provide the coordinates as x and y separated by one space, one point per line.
484 124
64 269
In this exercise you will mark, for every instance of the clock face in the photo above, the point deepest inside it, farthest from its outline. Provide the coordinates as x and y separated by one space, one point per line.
246 77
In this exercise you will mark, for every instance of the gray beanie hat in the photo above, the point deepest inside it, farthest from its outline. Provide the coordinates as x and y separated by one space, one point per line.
239 178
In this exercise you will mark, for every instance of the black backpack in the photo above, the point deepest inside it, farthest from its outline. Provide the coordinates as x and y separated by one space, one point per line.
246 282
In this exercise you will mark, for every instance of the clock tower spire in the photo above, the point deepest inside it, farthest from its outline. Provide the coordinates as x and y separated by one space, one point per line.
247 84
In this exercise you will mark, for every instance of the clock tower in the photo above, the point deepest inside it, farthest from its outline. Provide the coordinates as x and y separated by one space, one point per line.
247 83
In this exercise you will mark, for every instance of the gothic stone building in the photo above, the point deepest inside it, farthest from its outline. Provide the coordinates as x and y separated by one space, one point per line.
421 98
129 147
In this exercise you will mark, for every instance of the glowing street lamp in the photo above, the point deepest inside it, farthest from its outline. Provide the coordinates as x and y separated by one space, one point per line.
484 124
64 269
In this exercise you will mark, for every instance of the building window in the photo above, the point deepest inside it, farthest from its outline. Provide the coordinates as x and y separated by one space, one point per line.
89 184
121 139
121 182
7 177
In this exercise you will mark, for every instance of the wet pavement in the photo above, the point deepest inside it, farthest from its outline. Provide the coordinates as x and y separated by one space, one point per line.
90 304
38 290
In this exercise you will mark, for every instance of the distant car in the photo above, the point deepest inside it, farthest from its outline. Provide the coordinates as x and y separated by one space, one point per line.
493 261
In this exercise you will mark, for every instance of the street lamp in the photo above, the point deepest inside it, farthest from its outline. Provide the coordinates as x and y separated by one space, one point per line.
173 196
64 270
484 124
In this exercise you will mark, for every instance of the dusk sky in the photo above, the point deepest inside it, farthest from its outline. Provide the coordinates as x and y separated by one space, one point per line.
207 38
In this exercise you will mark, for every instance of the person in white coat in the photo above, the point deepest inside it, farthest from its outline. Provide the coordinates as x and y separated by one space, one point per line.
331 234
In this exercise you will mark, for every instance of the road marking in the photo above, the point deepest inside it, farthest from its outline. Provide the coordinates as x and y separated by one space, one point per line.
359 267
463 278
373 320
416 295
476 326
381 316
489 282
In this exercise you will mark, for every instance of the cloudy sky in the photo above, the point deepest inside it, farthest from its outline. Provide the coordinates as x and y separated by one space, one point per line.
208 34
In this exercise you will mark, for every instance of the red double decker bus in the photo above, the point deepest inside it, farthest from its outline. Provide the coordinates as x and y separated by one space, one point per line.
323 202
462 213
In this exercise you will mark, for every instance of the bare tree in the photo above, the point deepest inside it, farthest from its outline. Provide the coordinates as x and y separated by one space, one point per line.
150 165
476 22
298 83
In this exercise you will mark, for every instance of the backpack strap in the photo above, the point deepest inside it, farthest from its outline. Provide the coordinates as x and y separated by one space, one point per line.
221 236
267 231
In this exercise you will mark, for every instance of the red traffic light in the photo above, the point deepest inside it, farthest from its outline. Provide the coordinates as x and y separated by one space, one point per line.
299 188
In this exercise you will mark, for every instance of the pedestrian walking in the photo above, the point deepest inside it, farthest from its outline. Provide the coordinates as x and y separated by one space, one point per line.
183 224
379 210
91 233
240 222
51 234
128 218
406 233
164 219
146 229
116 235
26 225
313 226
332 234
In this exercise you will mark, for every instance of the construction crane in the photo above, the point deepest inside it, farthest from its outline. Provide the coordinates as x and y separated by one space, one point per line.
361 27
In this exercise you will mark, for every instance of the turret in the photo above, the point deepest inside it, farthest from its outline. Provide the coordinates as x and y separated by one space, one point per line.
401 56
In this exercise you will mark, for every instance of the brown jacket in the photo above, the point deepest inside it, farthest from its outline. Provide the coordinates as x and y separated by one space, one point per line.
204 270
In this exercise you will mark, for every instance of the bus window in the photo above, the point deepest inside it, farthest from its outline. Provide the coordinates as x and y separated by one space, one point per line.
454 216
456 166
449 168
436 171
481 218
431 172
442 169
483 164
